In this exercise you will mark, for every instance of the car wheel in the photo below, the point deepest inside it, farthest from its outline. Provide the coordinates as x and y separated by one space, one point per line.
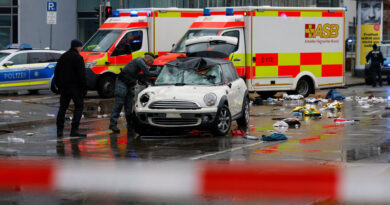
304 87
222 122
33 92
244 119
53 88
106 86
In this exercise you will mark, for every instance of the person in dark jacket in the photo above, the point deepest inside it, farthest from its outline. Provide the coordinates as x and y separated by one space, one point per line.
124 88
69 77
377 61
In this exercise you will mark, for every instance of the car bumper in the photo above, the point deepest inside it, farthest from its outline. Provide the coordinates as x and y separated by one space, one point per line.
177 118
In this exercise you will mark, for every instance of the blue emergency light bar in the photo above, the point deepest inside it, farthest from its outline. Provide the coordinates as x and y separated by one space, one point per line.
115 13
23 46
206 12
133 13
229 12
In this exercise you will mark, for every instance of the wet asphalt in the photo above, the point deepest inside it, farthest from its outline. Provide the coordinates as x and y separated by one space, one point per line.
318 140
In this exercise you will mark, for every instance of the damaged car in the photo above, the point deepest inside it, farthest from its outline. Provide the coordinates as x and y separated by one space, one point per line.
196 92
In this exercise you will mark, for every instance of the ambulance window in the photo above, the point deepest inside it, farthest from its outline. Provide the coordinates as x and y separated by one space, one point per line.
130 42
19 59
37 57
235 34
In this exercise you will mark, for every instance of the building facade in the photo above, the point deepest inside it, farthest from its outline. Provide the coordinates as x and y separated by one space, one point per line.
24 21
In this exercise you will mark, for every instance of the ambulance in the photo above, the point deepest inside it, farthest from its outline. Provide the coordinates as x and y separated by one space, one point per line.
130 34
288 49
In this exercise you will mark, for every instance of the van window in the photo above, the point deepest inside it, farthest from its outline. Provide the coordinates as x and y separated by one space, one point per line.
235 34
131 42
19 59
37 57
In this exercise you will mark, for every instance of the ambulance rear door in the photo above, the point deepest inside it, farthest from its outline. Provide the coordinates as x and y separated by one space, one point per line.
238 56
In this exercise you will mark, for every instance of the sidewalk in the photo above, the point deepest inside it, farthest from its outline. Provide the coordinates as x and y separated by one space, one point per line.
18 114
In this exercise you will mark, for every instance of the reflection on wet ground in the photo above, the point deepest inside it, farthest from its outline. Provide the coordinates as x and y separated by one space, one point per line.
317 138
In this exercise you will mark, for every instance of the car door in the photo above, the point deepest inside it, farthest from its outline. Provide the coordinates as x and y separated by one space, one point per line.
232 88
133 44
14 75
41 70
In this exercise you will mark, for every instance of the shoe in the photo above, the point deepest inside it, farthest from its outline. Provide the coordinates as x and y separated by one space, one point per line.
60 133
115 129
77 134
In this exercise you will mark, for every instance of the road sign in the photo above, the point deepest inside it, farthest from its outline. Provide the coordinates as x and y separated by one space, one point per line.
51 17
51 6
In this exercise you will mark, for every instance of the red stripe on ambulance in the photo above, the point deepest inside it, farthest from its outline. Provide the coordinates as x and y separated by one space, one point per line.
332 70
311 59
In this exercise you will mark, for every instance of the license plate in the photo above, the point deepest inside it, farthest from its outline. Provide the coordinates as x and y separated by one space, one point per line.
173 115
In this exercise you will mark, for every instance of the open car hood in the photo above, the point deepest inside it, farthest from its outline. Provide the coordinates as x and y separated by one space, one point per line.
211 46
196 63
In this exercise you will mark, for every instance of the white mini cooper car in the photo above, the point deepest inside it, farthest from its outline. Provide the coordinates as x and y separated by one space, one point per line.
194 93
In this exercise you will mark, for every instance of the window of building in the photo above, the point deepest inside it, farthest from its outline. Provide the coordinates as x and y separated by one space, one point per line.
86 28
87 5
5 2
5 37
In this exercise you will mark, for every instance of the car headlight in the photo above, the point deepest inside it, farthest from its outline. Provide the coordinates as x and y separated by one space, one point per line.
210 99
90 64
144 99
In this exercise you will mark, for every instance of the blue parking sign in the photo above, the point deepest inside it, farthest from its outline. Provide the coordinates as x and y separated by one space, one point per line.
51 6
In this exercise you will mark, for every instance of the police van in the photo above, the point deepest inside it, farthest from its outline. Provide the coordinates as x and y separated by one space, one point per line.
25 68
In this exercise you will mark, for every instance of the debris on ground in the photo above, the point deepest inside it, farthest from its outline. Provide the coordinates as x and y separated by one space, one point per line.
274 137
238 132
334 95
15 140
11 112
50 115
281 126
292 122
9 100
333 107
344 121
258 101
292 97
249 137
305 111
29 134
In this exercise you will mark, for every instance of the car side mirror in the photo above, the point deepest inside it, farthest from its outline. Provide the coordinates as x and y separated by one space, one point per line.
229 85
8 63
173 45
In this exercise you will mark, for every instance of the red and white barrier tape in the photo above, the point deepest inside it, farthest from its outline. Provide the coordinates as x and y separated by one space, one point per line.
187 180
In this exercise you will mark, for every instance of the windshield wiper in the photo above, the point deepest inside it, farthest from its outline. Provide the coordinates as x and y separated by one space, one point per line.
210 77
179 84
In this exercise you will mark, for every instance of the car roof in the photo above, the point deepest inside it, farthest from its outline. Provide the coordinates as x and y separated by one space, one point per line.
197 63
29 50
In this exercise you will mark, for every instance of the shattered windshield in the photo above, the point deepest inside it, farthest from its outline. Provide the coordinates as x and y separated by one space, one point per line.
181 46
102 40
171 75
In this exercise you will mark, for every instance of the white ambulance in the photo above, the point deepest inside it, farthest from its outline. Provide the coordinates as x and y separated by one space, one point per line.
280 48
128 35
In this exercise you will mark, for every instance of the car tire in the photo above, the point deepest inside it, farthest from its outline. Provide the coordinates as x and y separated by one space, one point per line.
53 87
304 87
223 122
244 119
33 92
266 94
106 86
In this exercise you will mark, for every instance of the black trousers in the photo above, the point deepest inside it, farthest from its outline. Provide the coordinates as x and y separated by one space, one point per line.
78 99
376 75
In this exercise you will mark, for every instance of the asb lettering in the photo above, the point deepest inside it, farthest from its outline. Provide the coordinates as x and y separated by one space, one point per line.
321 30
